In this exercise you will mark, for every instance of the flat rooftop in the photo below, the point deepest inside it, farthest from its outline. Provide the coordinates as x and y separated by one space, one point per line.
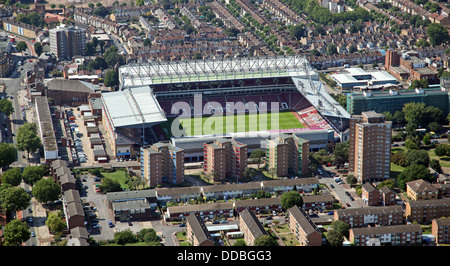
132 107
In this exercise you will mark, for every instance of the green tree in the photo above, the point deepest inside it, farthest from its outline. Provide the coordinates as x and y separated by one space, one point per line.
109 185
46 190
341 227
411 173
33 173
240 243
265 241
111 78
442 150
290 199
351 179
21 46
12 176
258 156
335 238
437 34
27 138
55 223
124 237
417 157
6 107
38 48
13 198
436 166
8 154
16 232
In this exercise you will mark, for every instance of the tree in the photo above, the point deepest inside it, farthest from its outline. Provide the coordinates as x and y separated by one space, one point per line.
16 232
240 243
335 238
27 138
149 236
437 34
290 199
250 172
265 241
13 198
341 227
351 179
124 237
33 173
417 157
21 46
436 166
411 173
55 223
53 6
6 107
12 176
257 156
442 150
110 185
38 48
111 78
46 190
112 57
8 154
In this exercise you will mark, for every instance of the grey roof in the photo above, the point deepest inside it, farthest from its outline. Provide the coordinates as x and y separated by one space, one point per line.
369 210
230 187
67 178
72 195
79 232
257 202
161 192
318 198
199 228
200 207
61 84
291 182
303 220
392 229
75 209
422 203
130 195
252 222
132 107
130 204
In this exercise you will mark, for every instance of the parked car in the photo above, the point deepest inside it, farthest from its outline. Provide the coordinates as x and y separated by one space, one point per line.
182 225
110 224
97 179
223 221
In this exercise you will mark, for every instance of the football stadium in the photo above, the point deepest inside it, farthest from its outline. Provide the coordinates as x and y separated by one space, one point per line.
190 102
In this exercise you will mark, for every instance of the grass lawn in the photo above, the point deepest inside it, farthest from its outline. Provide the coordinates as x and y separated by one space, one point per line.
396 170
119 176
237 123
286 235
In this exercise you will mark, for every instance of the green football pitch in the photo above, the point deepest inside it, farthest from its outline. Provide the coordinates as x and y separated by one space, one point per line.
231 124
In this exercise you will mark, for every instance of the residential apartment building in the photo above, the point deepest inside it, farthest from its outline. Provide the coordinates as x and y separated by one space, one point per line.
440 228
250 226
303 228
370 195
421 190
362 217
6 65
162 163
67 41
319 202
370 147
424 211
224 158
288 154
19 28
394 235
196 232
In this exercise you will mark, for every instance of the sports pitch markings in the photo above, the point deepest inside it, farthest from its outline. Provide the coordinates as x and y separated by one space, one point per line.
209 125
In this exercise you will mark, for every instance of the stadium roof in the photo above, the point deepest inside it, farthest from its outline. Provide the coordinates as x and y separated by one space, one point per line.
132 107
134 75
